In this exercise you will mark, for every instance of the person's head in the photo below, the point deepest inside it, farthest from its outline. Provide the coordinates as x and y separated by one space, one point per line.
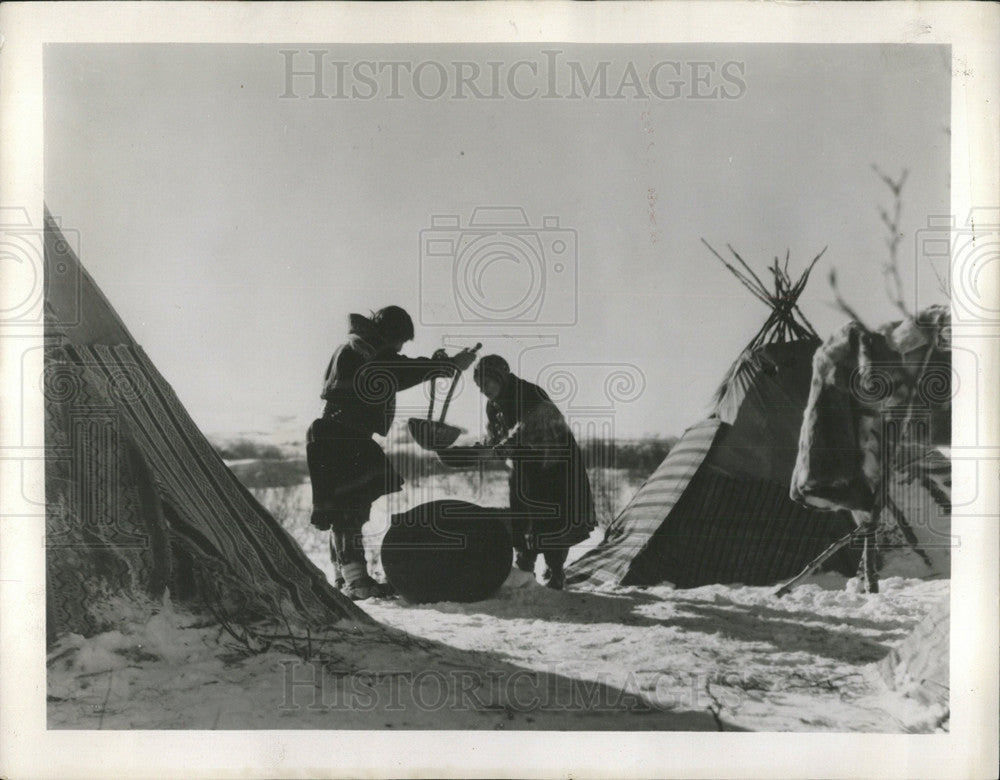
394 325
491 374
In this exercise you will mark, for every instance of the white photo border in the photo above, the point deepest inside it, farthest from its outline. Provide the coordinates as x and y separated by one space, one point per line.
970 749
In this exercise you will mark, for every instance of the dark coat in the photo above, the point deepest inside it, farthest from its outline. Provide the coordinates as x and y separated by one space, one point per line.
550 495
364 375
347 468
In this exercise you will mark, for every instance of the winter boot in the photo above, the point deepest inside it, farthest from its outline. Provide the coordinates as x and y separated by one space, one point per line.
554 578
361 590
360 586
338 577
525 560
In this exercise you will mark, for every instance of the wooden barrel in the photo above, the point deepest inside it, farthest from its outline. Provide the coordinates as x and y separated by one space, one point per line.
447 551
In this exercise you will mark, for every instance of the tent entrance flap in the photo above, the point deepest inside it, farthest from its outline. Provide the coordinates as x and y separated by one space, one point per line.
730 530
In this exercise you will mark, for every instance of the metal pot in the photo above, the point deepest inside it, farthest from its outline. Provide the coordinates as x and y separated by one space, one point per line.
433 434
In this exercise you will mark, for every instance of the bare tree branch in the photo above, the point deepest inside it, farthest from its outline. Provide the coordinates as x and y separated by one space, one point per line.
843 305
890 269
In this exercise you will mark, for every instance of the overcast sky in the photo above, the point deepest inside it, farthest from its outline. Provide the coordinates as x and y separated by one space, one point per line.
234 229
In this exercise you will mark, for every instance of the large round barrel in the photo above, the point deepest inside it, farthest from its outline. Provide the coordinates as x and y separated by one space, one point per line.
447 551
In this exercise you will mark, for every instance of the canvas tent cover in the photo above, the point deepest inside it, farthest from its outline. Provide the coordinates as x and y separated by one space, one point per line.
717 508
137 500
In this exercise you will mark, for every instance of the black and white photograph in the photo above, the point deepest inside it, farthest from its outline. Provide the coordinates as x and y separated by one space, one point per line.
600 375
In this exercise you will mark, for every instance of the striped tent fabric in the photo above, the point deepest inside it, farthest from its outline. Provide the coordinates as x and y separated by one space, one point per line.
631 531
914 537
692 524
718 508
736 529
932 472
137 499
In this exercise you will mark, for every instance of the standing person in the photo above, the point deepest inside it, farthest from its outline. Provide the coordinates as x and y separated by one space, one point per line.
551 505
347 468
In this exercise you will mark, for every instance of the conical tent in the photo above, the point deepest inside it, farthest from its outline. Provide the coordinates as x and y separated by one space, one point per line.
137 500
717 509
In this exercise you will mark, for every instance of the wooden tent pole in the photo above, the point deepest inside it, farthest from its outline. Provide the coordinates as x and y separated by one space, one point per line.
816 562
760 295
749 269
868 559
867 530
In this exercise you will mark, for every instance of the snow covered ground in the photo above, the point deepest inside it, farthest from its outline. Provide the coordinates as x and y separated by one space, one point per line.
800 663
716 657
173 672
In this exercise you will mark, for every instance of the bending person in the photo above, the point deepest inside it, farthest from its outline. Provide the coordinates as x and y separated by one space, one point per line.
348 469
551 504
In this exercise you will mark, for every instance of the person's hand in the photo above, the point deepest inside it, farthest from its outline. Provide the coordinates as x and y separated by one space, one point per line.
439 354
464 359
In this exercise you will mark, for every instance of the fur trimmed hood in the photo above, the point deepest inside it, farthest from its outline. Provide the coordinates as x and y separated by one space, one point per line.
363 335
